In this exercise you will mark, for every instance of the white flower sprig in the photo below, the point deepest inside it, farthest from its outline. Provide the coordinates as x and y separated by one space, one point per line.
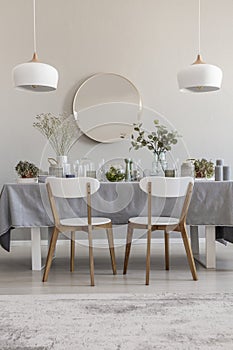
61 131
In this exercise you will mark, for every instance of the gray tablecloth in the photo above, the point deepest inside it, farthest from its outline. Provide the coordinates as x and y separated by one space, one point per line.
28 205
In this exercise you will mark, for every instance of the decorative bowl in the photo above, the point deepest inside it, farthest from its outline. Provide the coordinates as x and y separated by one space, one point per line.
115 174
113 170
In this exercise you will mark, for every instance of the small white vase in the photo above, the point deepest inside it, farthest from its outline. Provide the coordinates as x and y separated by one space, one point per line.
61 160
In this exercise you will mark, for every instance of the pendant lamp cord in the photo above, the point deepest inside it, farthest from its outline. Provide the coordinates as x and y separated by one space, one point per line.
199 27
34 25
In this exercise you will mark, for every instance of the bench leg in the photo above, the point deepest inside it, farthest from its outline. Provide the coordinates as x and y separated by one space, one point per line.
210 250
194 237
36 248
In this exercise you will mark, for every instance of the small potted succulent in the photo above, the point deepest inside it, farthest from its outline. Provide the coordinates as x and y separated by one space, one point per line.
203 168
27 172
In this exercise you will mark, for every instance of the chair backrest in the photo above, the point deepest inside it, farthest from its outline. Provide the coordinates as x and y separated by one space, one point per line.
166 186
72 187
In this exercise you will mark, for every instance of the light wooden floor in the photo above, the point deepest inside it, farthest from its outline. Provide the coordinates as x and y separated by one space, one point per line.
16 276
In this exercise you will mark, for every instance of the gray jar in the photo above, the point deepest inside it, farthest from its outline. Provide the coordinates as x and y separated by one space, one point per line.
188 168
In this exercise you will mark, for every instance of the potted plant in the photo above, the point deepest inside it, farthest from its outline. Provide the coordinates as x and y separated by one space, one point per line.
27 172
203 168
159 142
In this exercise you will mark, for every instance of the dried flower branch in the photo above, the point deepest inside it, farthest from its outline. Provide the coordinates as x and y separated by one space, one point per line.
61 131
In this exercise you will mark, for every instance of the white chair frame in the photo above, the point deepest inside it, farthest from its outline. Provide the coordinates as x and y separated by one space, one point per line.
163 187
76 188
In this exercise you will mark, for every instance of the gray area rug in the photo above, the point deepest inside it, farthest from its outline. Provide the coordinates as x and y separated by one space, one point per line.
116 322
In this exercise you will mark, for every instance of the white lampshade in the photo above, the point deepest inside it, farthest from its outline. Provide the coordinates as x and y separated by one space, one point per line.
35 76
200 78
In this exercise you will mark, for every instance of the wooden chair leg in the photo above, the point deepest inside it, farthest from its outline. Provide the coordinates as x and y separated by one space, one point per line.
72 251
148 256
189 253
128 247
91 257
166 239
49 259
111 249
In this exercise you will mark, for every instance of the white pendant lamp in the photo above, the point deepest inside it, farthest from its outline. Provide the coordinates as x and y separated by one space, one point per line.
200 76
34 75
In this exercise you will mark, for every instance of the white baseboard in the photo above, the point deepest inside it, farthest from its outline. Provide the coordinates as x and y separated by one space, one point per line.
102 242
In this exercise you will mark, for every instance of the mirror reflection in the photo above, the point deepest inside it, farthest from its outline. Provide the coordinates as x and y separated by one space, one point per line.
106 106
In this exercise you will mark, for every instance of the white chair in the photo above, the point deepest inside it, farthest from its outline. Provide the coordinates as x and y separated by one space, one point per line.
163 187
82 187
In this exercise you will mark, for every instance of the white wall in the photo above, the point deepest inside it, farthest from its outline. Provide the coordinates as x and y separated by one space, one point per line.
147 41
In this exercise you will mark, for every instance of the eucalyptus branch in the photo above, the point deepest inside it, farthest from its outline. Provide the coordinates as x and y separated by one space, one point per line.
159 141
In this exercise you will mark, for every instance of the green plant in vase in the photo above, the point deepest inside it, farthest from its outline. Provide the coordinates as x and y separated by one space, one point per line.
158 141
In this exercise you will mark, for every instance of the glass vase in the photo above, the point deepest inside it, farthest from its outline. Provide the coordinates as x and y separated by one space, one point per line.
159 164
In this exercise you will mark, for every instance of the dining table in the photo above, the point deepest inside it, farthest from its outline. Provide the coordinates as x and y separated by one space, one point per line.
27 205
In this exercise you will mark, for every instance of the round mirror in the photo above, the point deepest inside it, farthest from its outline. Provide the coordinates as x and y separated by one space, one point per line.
106 106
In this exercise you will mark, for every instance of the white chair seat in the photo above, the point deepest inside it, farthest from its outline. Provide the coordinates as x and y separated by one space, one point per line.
162 220
83 221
